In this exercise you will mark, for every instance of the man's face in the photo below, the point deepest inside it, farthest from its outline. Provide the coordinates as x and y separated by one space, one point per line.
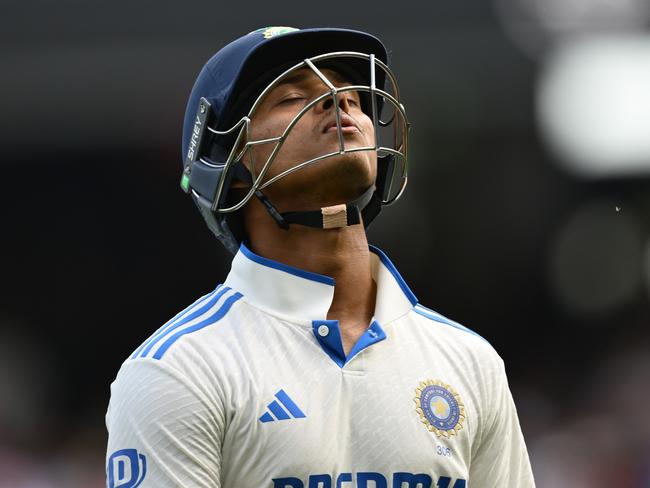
333 180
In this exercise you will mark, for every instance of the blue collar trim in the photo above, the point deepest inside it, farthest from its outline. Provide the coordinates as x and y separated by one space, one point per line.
398 277
301 296
301 273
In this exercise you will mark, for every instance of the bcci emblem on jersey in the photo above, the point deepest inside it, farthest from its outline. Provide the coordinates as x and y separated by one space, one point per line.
439 408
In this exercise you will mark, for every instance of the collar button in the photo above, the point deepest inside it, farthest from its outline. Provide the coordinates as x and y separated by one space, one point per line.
323 330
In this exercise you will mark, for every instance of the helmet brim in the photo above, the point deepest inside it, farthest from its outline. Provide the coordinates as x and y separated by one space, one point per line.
277 54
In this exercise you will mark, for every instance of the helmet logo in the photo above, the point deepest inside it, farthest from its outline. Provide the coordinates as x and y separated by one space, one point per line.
270 32
196 132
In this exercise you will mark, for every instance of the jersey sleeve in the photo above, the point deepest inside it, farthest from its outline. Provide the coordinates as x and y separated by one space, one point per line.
162 430
500 458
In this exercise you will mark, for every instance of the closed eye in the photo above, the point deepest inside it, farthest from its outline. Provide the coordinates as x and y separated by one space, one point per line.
291 99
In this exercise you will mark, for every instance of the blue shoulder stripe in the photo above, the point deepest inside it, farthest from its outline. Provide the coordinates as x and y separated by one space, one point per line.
196 312
170 322
436 317
214 318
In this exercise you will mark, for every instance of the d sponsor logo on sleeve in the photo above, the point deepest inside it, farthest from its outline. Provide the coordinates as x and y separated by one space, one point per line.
126 469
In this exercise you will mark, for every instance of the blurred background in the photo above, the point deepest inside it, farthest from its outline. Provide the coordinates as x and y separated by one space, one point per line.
526 217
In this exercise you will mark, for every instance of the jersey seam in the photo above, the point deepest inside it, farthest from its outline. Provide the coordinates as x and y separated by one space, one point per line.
170 369
179 375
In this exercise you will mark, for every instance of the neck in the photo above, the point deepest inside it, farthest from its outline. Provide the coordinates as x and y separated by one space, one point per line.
340 253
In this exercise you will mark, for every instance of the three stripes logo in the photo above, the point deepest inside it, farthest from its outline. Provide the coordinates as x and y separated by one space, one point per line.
276 412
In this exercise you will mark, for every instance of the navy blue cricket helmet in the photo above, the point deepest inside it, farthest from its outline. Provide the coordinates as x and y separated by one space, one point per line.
226 94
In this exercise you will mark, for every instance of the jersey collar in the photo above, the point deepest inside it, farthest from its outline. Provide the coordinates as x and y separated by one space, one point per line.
301 296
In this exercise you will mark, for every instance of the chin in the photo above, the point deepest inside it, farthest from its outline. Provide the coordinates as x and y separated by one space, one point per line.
343 178
335 180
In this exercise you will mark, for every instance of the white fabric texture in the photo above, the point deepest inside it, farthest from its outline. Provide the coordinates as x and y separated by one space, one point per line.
214 398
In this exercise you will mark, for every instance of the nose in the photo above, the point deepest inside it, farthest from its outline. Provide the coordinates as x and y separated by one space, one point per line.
328 102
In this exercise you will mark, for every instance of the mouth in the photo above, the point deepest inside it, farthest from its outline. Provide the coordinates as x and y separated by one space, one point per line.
348 125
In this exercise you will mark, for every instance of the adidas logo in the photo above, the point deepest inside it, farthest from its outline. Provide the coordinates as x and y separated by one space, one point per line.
276 412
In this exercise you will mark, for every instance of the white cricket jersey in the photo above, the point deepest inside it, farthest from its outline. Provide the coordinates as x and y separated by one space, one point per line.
249 387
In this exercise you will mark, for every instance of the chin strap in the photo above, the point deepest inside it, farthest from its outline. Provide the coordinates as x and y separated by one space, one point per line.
332 217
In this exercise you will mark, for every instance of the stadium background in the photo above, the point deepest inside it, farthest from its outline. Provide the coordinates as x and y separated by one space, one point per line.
525 219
